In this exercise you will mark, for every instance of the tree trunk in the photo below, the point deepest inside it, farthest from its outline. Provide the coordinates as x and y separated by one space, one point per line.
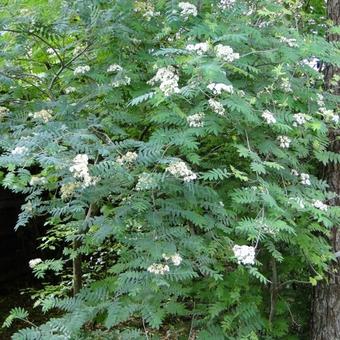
326 300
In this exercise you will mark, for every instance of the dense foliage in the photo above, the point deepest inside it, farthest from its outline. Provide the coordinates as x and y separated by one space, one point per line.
177 147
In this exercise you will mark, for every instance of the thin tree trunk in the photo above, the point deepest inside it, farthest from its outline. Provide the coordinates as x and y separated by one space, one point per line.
326 299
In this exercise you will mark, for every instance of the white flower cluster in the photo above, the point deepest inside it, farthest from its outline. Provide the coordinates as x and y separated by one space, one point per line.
145 182
300 119
226 4
81 70
67 190
3 112
199 48
268 117
34 262
19 150
244 254
44 115
285 85
146 9
180 169
176 258
114 68
51 52
196 120
226 53
80 170
125 80
312 63
187 9
70 89
216 106
284 141
320 205
289 42
305 179
128 158
218 88
158 268
168 80
37 180
329 115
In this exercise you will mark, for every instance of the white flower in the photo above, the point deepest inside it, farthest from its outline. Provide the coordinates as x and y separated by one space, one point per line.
180 169
226 4
187 9
158 268
294 172
199 48
176 259
320 205
51 51
44 115
285 85
312 63
114 68
305 179
284 141
218 88
79 168
289 42
37 180
67 190
19 150
125 80
145 182
34 262
196 120
244 254
226 53
268 117
70 89
299 119
168 80
128 158
81 70
3 112
216 106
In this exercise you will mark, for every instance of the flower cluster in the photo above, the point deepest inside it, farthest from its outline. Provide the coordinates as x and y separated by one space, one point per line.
187 9
268 117
199 48
114 68
81 70
196 120
289 42
329 115
218 88
216 106
19 150
125 80
3 112
34 262
320 205
226 53
300 119
284 141
80 170
226 4
70 89
146 9
67 190
176 258
128 158
180 169
145 182
37 180
305 179
44 115
158 268
285 85
244 254
168 80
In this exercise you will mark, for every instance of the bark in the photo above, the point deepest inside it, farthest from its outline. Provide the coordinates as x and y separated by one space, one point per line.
326 300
